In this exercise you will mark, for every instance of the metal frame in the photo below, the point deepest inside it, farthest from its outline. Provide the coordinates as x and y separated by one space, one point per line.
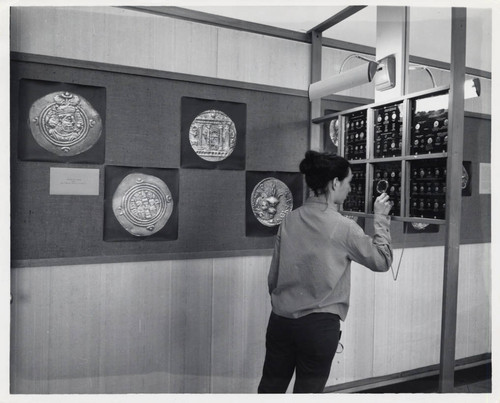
453 196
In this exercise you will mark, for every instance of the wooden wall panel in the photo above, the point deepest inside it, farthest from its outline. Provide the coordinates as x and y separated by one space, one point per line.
408 312
241 307
355 362
190 326
474 294
198 326
260 59
30 333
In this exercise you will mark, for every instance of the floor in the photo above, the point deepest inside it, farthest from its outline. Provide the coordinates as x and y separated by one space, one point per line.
471 380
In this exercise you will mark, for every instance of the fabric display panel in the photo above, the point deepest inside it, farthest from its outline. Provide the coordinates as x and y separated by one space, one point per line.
61 122
140 204
212 134
270 196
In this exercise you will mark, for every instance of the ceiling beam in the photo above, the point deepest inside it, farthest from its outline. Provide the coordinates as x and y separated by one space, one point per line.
220 21
339 17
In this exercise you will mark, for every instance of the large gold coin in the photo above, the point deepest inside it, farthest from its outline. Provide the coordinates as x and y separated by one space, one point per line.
142 204
64 123
212 135
271 201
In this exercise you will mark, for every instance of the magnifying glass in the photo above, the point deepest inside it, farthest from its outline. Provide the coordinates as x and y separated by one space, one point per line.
382 186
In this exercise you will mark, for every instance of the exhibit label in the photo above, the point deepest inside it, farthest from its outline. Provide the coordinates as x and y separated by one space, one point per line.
74 181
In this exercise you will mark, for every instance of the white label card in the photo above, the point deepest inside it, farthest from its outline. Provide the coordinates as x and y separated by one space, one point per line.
74 181
484 178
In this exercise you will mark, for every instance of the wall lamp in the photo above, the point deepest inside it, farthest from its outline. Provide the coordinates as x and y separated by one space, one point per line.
472 88
383 71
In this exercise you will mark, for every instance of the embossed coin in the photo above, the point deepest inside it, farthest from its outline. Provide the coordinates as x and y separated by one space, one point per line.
142 204
419 225
64 123
271 201
465 177
334 131
212 135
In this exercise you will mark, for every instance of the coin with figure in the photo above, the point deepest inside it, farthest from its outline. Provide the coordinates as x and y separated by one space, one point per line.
142 204
334 131
212 135
271 201
64 123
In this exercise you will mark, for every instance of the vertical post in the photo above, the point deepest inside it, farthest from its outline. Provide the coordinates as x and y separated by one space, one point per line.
315 105
392 39
453 200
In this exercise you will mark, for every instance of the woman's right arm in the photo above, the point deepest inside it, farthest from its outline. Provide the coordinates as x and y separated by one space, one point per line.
373 252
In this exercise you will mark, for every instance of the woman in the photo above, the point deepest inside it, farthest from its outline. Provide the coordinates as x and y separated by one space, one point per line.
309 277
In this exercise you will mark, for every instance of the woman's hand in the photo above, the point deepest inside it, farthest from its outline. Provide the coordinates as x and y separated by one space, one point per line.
382 204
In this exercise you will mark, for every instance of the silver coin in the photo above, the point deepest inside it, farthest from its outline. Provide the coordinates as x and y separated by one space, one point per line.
419 225
271 201
334 131
64 123
142 204
212 135
465 177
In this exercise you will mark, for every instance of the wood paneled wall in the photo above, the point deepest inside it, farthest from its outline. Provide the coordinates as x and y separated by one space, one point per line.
131 38
198 326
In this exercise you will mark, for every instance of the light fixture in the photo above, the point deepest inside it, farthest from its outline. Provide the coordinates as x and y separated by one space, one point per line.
420 67
351 78
472 88
385 78
383 71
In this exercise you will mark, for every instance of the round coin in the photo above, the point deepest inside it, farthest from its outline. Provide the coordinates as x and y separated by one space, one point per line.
142 204
419 225
465 177
212 135
334 131
271 201
64 123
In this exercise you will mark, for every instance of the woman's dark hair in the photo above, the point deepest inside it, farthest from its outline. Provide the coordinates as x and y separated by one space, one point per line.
321 168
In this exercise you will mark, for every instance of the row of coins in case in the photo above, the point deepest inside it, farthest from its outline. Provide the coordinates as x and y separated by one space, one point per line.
428 144
428 188
428 207
428 172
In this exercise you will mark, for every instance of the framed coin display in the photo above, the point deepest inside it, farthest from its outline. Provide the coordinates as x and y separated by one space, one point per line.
212 134
270 196
61 122
419 228
466 178
140 204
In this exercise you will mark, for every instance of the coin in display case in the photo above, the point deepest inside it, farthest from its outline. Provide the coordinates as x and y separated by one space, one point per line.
465 177
271 201
142 204
212 135
64 123
334 131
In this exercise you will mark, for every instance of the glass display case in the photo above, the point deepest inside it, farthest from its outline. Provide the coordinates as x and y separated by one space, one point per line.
398 148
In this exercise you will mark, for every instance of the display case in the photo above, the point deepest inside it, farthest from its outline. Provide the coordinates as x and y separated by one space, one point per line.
399 148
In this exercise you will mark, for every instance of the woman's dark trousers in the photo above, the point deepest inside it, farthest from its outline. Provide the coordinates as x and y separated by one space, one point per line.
306 345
